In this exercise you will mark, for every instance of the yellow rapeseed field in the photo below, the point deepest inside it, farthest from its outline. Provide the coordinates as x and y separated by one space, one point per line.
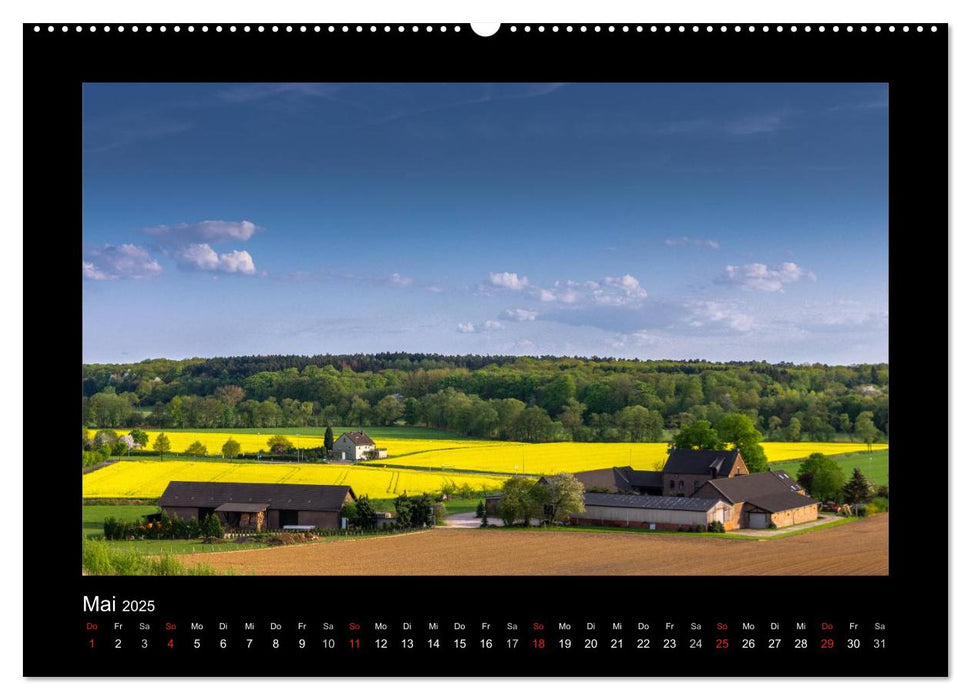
550 458
148 478
507 457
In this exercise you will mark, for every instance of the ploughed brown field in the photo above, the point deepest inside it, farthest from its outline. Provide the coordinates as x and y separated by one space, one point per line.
855 548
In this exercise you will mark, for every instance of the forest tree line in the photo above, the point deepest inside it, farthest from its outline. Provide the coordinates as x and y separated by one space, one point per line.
521 398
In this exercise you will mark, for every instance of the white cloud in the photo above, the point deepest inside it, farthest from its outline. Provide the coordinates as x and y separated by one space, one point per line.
520 314
201 256
625 290
127 261
761 277
696 242
472 328
399 280
707 313
209 231
508 280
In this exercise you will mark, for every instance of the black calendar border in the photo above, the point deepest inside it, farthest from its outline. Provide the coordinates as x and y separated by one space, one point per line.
913 598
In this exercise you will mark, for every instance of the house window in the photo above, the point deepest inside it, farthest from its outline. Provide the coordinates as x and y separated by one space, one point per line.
681 486
696 484
672 483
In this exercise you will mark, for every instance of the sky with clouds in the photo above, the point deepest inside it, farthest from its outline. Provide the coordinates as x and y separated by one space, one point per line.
725 222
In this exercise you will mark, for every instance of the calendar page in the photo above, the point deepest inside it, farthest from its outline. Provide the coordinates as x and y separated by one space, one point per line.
523 350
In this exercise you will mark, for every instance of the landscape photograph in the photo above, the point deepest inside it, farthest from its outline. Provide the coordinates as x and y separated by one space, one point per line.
471 329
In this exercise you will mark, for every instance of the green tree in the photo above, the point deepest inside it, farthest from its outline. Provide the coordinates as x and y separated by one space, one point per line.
196 449
794 430
231 449
698 435
857 489
364 515
105 438
846 425
329 439
415 511
211 528
865 429
739 431
534 425
279 444
139 436
822 477
774 424
519 500
359 412
560 497
387 410
641 424
161 445
412 411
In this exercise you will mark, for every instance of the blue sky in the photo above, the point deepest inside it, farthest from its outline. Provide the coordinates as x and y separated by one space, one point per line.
726 222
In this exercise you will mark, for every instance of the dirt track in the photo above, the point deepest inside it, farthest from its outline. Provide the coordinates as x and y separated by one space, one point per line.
855 548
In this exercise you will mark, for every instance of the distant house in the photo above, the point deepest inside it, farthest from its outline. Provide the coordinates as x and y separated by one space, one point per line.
652 512
686 471
619 480
759 500
356 446
257 506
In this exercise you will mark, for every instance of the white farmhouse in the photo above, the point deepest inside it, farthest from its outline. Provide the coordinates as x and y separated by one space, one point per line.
357 446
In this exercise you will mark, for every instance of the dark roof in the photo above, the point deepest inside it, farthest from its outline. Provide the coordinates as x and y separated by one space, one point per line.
617 479
701 462
623 500
358 438
644 479
770 491
208 494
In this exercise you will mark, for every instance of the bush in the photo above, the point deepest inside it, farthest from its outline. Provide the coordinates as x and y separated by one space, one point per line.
196 449
883 492
880 505
465 491
716 527
773 526
211 528
508 513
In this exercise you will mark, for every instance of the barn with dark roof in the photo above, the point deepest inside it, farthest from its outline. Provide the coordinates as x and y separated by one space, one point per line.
761 500
687 470
258 506
619 480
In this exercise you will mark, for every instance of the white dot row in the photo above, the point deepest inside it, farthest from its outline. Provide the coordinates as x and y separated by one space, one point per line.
513 28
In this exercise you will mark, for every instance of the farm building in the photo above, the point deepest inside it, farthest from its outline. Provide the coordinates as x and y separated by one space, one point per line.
686 471
357 446
257 506
619 480
651 512
760 499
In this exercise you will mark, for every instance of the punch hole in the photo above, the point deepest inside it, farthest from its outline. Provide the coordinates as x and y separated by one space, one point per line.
485 29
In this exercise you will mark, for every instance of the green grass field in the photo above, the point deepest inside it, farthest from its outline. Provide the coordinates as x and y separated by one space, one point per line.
93 517
874 465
